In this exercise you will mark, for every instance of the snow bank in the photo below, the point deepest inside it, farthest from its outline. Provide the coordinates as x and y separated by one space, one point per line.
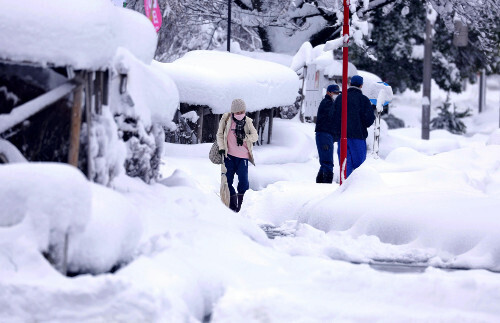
83 34
111 236
216 78
42 202
157 104
50 200
447 203
494 138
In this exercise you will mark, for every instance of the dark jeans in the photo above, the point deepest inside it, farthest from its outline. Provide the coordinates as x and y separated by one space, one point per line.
324 143
356 154
238 166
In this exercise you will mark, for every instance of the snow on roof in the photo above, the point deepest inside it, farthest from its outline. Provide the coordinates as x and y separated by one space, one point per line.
82 33
324 61
154 93
215 79
282 59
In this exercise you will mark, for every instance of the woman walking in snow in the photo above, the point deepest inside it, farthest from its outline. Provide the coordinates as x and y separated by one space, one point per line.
235 138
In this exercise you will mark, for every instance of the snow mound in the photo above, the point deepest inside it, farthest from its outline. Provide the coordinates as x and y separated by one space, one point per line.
79 33
50 199
215 79
494 138
111 236
447 202
179 178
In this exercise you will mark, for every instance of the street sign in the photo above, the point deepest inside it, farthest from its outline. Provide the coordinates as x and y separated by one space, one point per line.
152 11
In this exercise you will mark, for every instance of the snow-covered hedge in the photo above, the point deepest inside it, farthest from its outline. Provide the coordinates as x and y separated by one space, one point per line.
147 104
215 79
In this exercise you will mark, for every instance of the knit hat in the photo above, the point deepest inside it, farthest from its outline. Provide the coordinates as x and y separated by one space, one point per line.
238 105
356 80
333 88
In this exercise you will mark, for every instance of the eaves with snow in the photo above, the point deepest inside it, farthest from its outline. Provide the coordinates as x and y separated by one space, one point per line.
84 34
215 79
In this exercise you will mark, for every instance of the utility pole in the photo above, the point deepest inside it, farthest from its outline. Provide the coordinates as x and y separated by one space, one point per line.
482 90
228 25
426 99
345 71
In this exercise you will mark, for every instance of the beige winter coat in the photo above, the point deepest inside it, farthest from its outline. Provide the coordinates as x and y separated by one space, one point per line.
225 127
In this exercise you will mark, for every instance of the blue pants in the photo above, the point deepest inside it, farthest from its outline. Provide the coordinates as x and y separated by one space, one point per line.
356 154
324 143
238 166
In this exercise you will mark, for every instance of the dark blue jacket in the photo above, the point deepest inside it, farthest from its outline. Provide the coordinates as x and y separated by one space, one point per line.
324 120
360 115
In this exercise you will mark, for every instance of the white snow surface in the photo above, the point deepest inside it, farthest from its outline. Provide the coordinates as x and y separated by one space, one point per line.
80 33
432 203
48 200
215 79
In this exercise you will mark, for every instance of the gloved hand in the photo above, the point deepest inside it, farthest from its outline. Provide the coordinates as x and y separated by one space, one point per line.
222 152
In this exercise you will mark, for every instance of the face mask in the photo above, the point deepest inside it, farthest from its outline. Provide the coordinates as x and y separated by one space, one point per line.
239 116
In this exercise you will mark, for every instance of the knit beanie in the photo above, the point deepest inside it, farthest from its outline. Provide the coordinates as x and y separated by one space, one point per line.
238 105
357 80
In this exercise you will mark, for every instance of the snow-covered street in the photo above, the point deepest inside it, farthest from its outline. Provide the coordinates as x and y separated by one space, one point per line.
198 261
121 123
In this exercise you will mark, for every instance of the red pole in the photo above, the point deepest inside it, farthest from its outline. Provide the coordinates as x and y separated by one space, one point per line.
345 59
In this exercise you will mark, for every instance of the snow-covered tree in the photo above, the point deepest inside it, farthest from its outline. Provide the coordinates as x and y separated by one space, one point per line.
396 44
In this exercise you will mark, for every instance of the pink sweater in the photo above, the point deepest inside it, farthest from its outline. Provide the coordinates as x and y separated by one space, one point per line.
232 147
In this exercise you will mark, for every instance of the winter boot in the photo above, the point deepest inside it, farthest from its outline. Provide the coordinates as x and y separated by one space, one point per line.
233 203
320 177
240 201
328 178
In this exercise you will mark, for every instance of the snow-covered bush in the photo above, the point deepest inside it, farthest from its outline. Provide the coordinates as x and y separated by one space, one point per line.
143 101
107 150
144 147
183 129
290 111
450 120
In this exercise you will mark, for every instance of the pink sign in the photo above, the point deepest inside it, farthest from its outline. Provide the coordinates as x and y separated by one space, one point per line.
153 13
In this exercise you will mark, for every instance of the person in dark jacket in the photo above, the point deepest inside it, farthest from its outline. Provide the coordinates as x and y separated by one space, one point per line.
324 135
360 116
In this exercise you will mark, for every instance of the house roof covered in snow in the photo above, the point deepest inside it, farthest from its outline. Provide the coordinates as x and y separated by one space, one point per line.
215 79
79 33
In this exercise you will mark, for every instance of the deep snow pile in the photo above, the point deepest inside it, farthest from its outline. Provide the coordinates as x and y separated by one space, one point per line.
197 260
80 33
215 79
43 202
